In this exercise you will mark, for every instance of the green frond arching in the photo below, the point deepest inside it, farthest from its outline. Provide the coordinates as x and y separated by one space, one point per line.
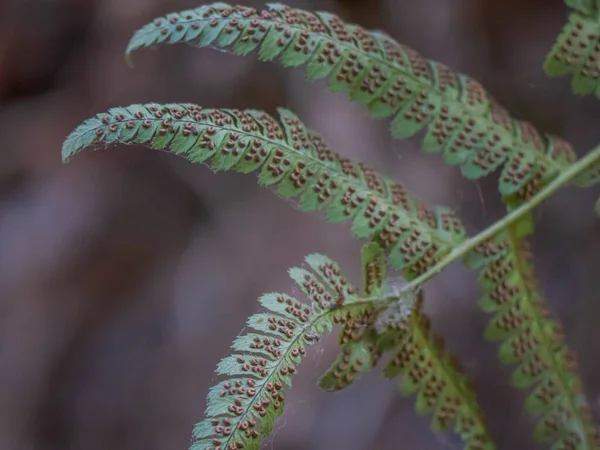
534 341
426 369
295 159
242 408
576 52
354 360
462 121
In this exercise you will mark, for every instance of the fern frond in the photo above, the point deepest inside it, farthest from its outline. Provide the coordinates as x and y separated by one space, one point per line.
295 159
425 368
576 52
589 177
242 408
419 358
462 120
533 340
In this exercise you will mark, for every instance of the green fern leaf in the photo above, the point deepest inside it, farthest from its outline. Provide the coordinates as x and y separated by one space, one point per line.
359 353
242 408
462 121
425 368
355 359
533 341
364 339
355 329
576 52
295 159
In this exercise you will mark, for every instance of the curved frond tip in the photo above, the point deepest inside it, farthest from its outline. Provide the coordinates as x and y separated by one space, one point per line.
295 159
242 408
462 121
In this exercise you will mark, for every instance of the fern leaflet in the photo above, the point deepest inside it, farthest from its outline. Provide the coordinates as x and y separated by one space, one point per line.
462 120
297 160
533 340
589 177
576 52
242 408
354 360
418 357
358 338
425 368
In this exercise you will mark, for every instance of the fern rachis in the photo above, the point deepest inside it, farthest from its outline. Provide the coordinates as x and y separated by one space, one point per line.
461 121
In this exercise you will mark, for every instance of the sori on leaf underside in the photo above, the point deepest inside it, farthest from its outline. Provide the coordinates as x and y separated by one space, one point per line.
242 408
577 52
295 159
532 340
417 355
303 166
461 121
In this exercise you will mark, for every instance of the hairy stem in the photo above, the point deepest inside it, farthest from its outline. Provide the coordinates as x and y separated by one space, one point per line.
462 249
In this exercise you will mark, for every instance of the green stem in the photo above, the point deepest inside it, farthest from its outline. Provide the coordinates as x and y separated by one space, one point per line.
460 250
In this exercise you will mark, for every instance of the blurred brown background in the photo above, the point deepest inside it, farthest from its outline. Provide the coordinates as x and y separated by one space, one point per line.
125 275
